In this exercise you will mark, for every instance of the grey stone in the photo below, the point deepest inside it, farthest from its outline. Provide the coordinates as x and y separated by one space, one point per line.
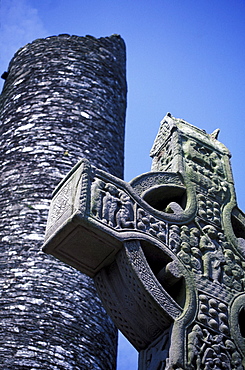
166 250
60 94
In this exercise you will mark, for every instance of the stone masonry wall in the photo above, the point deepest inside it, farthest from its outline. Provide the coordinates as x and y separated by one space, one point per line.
64 99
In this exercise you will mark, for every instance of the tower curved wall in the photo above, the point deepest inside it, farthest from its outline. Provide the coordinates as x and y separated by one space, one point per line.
64 98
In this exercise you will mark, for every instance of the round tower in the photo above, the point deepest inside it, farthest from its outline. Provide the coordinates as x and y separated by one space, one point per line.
64 98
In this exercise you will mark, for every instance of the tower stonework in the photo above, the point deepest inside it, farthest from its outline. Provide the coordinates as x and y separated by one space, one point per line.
64 98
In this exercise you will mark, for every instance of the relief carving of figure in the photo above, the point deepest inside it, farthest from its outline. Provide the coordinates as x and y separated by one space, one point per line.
213 258
216 164
97 193
233 271
125 214
196 263
214 352
110 204
194 344
194 237
236 360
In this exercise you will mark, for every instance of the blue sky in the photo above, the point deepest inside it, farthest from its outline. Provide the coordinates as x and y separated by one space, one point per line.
183 56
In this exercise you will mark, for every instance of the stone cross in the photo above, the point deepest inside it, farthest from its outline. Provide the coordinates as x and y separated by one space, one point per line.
166 251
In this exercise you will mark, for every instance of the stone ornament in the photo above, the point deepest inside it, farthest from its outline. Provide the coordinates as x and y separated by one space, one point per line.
166 251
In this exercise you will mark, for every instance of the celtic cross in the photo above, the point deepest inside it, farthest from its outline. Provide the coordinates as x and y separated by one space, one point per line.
166 250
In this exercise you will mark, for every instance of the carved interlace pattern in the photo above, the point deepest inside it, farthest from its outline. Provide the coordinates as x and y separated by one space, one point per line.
60 204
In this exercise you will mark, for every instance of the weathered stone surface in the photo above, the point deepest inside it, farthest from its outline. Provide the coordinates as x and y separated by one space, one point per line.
64 98
166 251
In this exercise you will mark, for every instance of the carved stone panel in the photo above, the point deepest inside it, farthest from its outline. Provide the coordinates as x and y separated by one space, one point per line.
167 251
